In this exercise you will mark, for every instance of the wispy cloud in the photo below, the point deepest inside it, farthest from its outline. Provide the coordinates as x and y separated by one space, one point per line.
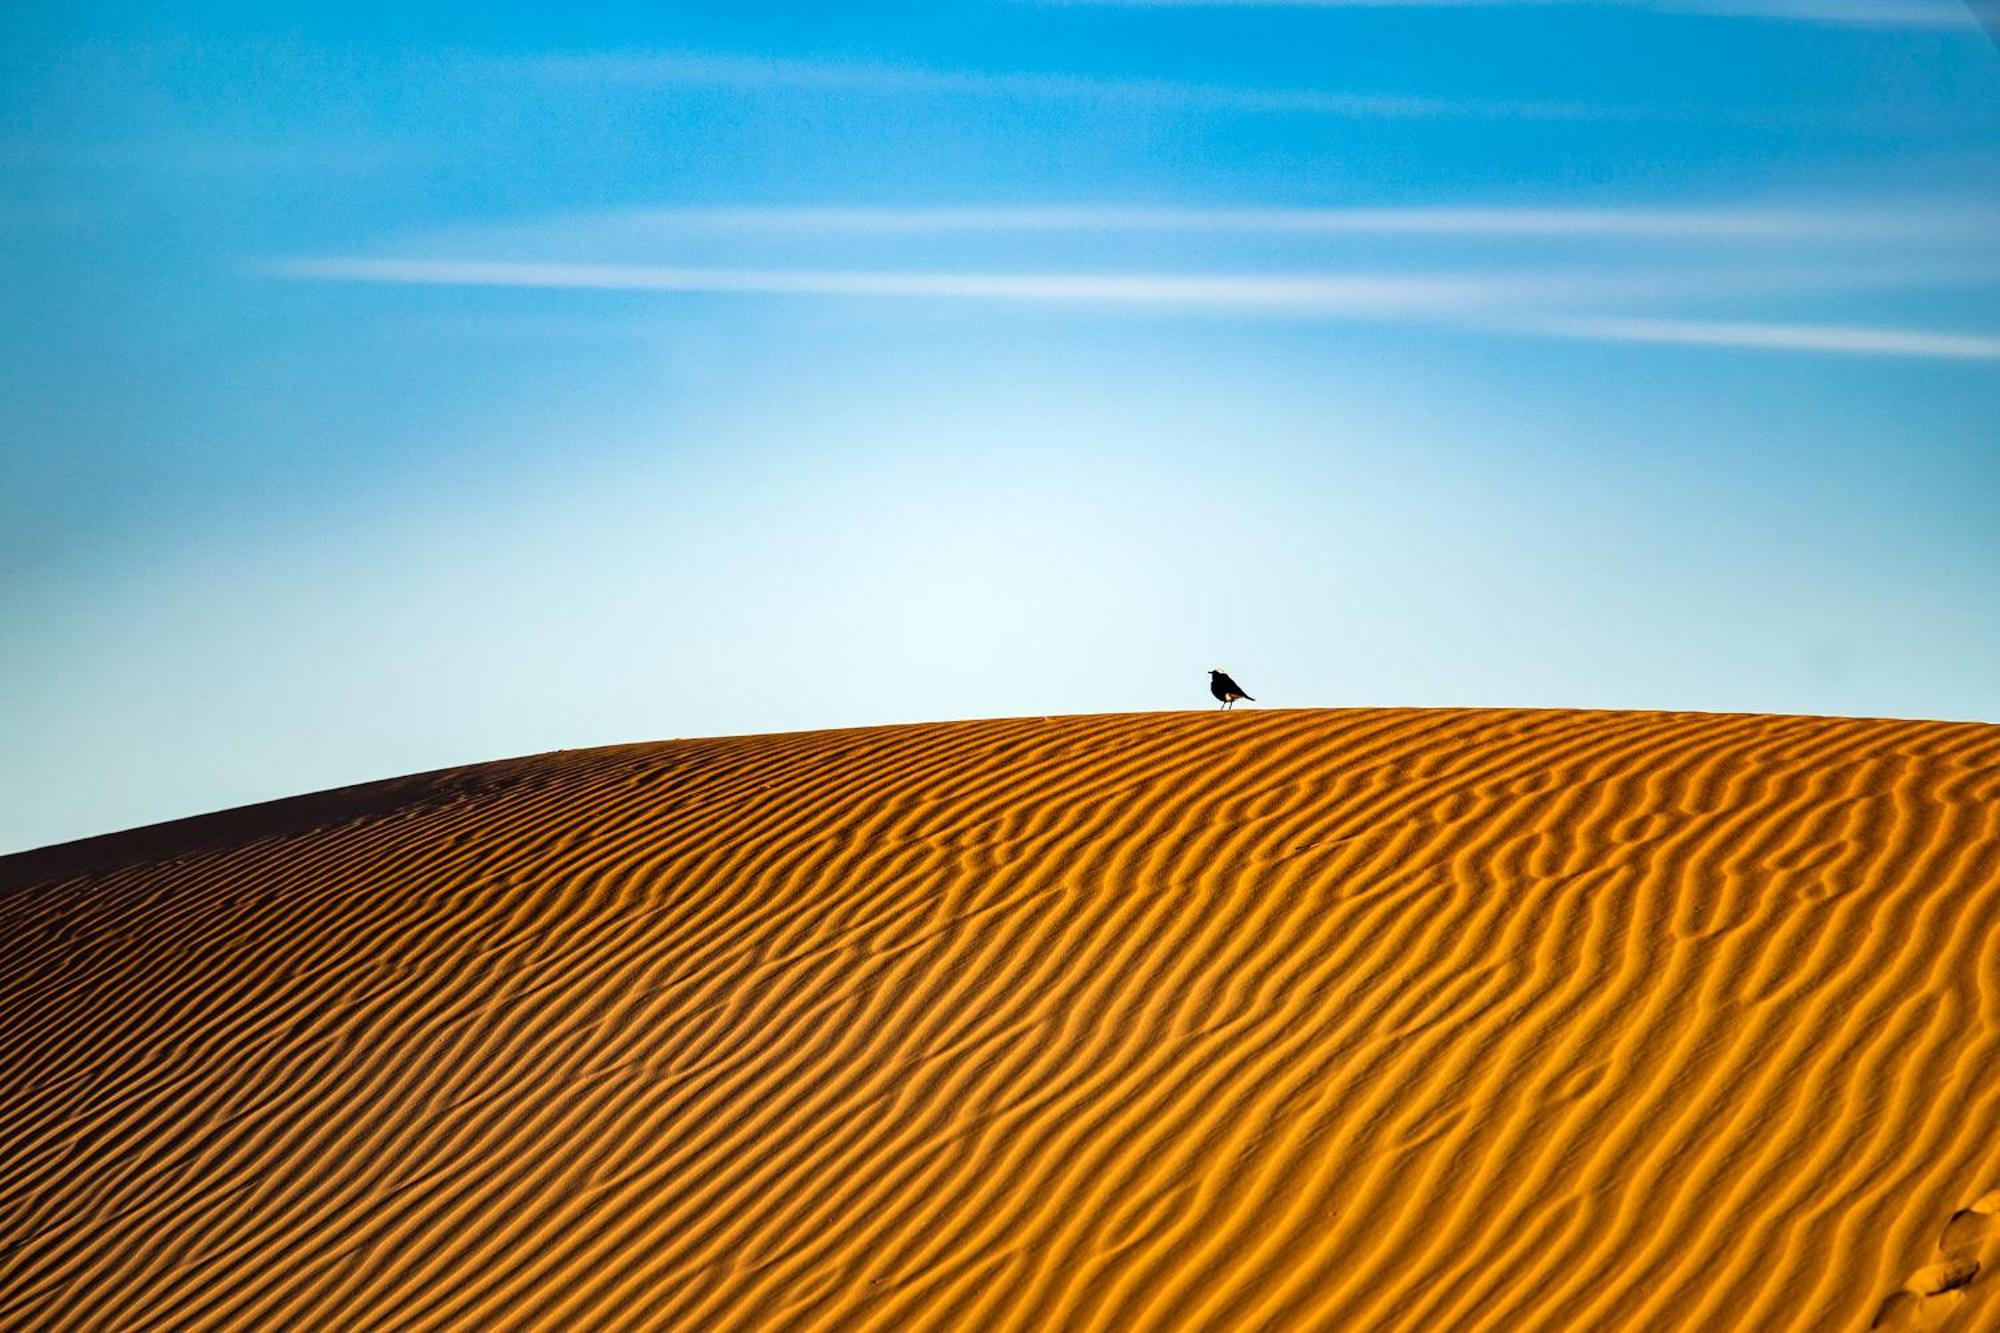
687 70
1535 282
1939 14
1719 224
1353 293
1494 302
1778 337
1945 14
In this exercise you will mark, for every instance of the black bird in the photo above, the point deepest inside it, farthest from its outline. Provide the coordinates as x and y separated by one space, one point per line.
1225 689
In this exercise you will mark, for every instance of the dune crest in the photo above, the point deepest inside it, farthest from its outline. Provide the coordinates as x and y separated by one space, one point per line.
1370 1019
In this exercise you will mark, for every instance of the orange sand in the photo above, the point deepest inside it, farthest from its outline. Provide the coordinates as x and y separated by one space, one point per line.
1267 1020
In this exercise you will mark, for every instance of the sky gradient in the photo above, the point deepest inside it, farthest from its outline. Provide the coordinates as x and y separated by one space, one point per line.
382 393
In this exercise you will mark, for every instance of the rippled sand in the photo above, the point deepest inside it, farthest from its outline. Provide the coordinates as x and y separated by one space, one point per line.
1355 1020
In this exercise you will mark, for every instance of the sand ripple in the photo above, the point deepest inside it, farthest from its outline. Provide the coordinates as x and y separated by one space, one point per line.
1424 1020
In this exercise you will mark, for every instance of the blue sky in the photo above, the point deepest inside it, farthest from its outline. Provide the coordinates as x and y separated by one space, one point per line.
382 392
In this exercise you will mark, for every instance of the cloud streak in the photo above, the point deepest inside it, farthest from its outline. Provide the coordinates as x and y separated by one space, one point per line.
1358 293
1698 224
1494 303
1907 14
1858 341
754 73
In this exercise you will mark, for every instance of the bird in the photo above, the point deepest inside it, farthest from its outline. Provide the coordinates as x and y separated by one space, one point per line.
1225 689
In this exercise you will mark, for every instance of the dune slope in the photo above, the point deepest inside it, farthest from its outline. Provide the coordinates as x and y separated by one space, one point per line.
1364 1019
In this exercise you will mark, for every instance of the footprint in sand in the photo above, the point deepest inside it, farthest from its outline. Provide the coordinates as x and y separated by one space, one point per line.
1929 1296
1969 1228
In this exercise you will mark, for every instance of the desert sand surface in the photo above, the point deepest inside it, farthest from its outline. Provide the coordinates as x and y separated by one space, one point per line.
1358 1019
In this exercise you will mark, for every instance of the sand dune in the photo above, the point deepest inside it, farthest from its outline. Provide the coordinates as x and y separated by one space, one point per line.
1423 1020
